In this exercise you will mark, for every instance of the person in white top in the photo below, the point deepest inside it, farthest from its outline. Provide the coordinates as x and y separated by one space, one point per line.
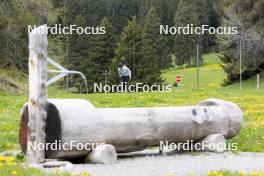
124 73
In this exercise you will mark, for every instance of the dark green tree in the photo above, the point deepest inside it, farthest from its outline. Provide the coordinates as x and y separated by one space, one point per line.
76 52
100 54
154 52
185 44
207 15
160 42
139 51
129 51
15 16
248 17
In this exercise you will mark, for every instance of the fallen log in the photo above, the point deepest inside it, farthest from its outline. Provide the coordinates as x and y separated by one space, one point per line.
131 129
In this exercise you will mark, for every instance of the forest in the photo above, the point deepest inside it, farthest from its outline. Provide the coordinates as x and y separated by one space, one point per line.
133 36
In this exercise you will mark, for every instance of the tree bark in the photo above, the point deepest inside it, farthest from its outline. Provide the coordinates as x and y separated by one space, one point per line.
134 129
37 94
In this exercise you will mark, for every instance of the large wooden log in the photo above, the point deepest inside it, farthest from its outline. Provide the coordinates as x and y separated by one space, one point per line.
37 93
134 129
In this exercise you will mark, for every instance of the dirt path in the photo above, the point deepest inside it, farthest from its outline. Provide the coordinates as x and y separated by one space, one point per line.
149 163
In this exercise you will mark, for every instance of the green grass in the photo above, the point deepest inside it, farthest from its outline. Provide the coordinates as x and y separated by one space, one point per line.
249 99
15 82
239 173
210 73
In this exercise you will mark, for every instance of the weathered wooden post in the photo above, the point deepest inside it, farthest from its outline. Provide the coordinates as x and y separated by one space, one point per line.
37 94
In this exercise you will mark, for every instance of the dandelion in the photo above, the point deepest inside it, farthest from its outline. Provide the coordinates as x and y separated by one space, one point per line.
253 173
241 173
85 174
215 173
14 172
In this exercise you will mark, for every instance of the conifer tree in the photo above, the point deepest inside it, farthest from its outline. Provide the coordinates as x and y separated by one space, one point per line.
185 44
139 51
100 54
129 51
153 49
76 55
248 17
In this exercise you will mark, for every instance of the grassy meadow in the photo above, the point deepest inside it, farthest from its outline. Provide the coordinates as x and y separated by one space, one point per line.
250 99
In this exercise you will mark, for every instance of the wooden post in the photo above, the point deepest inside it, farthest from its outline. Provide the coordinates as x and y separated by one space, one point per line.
37 95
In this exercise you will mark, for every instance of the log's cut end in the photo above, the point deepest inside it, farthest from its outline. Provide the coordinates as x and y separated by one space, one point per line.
215 143
61 114
53 127
231 110
102 154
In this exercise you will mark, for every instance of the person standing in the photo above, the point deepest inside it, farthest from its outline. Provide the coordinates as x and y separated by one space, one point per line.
124 73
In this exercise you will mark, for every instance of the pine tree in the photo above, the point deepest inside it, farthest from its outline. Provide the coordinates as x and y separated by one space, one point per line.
166 10
76 53
160 42
138 50
153 50
100 54
185 44
207 15
15 16
248 17
129 51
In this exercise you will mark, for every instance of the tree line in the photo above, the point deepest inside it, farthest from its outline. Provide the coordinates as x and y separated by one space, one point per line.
248 17
133 35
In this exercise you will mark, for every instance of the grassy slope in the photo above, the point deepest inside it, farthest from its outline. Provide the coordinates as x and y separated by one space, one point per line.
13 77
211 74
250 100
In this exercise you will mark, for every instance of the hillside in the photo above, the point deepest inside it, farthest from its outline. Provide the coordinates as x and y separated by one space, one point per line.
13 81
250 100
211 74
